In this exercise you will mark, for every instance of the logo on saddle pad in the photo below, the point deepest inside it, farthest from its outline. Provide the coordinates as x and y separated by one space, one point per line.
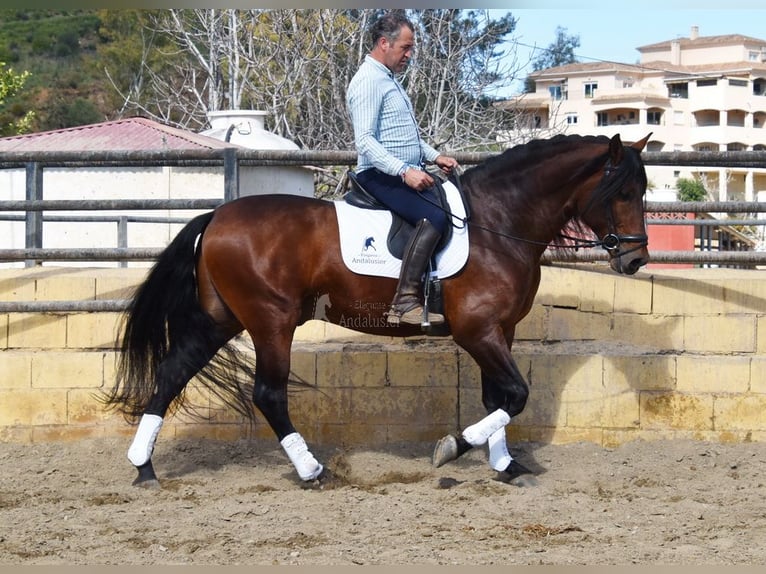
368 255
364 254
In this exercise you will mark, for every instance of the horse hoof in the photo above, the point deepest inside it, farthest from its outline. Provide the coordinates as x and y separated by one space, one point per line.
445 450
325 479
146 477
150 484
517 475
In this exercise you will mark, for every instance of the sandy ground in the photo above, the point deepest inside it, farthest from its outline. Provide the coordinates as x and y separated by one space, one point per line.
240 503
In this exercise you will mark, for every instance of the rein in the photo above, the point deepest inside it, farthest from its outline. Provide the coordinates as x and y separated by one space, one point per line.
611 242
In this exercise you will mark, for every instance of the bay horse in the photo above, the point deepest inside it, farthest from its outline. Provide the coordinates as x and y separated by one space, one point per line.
260 263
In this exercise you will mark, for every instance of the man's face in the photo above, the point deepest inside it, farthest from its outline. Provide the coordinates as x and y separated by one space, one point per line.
399 52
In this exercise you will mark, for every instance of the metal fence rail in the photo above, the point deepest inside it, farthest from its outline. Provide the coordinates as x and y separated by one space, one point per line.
123 253
231 159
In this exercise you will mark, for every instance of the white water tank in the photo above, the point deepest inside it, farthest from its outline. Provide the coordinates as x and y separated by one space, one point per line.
247 128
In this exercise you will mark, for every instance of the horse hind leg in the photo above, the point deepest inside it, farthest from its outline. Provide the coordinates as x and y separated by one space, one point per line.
184 360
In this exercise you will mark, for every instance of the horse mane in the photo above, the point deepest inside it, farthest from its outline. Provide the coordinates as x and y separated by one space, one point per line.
534 150
526 154
523 157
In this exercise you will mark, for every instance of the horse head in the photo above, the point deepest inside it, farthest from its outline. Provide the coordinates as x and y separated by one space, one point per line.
615 208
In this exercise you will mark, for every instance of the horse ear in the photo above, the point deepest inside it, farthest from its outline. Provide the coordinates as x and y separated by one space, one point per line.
639 145
615 149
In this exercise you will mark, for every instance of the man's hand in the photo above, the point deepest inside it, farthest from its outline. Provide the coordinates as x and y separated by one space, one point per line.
418 179
446 163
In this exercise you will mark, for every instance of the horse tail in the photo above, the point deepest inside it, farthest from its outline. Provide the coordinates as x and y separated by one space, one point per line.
164 307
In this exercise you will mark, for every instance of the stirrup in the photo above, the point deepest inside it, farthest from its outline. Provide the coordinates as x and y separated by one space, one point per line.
413 316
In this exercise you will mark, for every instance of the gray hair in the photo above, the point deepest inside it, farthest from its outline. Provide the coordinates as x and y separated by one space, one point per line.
389 26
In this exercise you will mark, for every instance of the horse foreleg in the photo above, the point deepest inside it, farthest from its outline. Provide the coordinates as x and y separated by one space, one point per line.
513 397
504 395
487 429
270 396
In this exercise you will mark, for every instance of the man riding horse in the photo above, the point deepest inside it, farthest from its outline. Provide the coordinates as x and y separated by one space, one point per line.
392 156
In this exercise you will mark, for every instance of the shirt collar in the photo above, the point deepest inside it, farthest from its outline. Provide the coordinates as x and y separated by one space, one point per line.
369 59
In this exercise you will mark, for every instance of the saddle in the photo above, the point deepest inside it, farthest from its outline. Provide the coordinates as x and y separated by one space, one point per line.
400 230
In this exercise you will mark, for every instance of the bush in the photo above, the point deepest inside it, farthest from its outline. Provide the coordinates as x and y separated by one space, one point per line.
690 190
66 114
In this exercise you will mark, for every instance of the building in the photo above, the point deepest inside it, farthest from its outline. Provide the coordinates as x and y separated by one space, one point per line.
236 128
701 93
694 94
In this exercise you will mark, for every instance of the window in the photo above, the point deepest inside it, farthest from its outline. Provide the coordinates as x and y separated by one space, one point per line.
557 93
737 82
571 118
653 117
753 56
602 119
709 82
590 89
679 90
678 118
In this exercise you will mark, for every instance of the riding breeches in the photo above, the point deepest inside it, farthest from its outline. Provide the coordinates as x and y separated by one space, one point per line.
409 204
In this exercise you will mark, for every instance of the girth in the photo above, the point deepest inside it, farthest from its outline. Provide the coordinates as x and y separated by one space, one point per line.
400 230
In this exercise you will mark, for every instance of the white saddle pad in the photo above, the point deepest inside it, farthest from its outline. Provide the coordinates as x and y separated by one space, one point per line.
364 235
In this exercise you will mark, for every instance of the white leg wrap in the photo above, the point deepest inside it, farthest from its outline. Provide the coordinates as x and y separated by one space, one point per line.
478 433
143 443
499 457
304 462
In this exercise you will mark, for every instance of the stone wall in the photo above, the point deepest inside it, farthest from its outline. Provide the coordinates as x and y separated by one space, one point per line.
666 353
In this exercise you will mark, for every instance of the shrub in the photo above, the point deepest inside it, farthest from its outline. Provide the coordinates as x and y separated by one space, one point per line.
690 190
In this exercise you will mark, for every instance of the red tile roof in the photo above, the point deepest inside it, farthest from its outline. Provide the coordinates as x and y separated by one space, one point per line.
130 134
658 66
686 43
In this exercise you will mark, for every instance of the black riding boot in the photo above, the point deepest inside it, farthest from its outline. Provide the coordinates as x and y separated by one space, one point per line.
406 306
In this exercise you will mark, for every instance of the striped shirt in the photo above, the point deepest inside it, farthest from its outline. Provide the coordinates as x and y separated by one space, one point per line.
385 131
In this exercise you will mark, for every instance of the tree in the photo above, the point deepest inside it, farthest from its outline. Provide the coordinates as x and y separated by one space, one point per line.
296 64
146 67
126 47
690 190
64 112
458 64
12 83
558 53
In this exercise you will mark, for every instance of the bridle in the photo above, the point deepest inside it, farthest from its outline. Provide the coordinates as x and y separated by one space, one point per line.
611 242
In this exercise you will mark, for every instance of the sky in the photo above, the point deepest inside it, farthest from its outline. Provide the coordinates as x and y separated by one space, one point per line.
614 34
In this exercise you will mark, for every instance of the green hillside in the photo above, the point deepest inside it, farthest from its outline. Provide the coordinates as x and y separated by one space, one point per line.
59 49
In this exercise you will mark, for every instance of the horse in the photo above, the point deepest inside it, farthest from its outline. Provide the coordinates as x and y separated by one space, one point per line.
259 264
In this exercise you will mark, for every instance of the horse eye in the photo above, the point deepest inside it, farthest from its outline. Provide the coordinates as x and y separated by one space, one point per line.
625 193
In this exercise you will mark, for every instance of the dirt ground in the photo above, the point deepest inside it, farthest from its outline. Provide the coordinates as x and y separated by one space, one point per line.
240 503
